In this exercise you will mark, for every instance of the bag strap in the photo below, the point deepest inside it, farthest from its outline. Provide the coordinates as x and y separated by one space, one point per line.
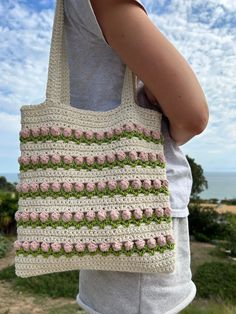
58 83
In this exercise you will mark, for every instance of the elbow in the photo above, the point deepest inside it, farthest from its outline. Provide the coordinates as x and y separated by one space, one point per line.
200 121
197 122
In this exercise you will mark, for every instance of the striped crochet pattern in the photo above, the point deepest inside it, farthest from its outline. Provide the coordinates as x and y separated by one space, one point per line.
93 189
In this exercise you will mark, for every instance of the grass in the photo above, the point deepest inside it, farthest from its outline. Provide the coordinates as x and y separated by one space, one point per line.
4 245
62 284
202 306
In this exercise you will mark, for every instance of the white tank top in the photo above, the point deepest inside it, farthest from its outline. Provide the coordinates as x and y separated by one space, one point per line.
96 79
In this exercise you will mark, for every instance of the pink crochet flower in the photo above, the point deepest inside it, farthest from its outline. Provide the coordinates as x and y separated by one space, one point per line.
165 183
79 186
124 184
34 245
67 216
67 132
111 157
152 156
78 134
25 216
55 131
151 243
90 215
112 184
44 186
115 215
79 160
55 216
18 187
68 247
109 133
90 160
101 185
129 245
161 240
26 245
68 159
92 246
138 213
25 187
90 186
89 135
147 184
136 184
44 159
161 157
17 215
67 186
78 216
35 132
56 159
129 127
126 214
170 239
43 216
56 186
25 133
139 128
104 247
140 244
159 212
117 246
100 135
148 212
44 130
167 211
133 155
45 246
17 245
156 135
121 156
118 130
80 247
34 159
143 156
34 216
156 183
101 160
146 132
34 187
24 160
56 247
102 215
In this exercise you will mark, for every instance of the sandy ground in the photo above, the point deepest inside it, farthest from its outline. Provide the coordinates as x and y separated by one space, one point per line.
221 208
14 302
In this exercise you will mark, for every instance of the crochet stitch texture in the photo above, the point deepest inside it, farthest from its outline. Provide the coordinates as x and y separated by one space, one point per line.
93 190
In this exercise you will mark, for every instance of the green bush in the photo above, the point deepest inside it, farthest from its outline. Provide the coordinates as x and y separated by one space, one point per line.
4 246
207 222
216 280
201 237
62 284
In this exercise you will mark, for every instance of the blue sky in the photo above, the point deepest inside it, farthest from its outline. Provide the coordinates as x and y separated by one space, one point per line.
203 31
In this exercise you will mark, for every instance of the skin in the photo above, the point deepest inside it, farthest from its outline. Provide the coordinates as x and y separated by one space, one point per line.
167 77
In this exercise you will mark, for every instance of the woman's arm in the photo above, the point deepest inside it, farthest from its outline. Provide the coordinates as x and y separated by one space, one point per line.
163 70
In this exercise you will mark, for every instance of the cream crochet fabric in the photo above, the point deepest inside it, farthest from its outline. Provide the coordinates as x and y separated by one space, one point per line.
93 187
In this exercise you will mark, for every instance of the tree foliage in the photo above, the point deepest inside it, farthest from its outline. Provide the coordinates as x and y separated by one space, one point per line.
199 180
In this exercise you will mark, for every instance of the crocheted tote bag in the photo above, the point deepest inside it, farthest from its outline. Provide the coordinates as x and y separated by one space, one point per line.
93 190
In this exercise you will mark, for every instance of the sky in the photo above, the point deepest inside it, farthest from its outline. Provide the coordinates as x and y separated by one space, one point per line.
203 31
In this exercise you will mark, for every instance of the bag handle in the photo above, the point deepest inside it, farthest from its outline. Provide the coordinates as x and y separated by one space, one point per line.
58 83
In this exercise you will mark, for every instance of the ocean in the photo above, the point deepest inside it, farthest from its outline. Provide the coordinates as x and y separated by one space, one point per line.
221 185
